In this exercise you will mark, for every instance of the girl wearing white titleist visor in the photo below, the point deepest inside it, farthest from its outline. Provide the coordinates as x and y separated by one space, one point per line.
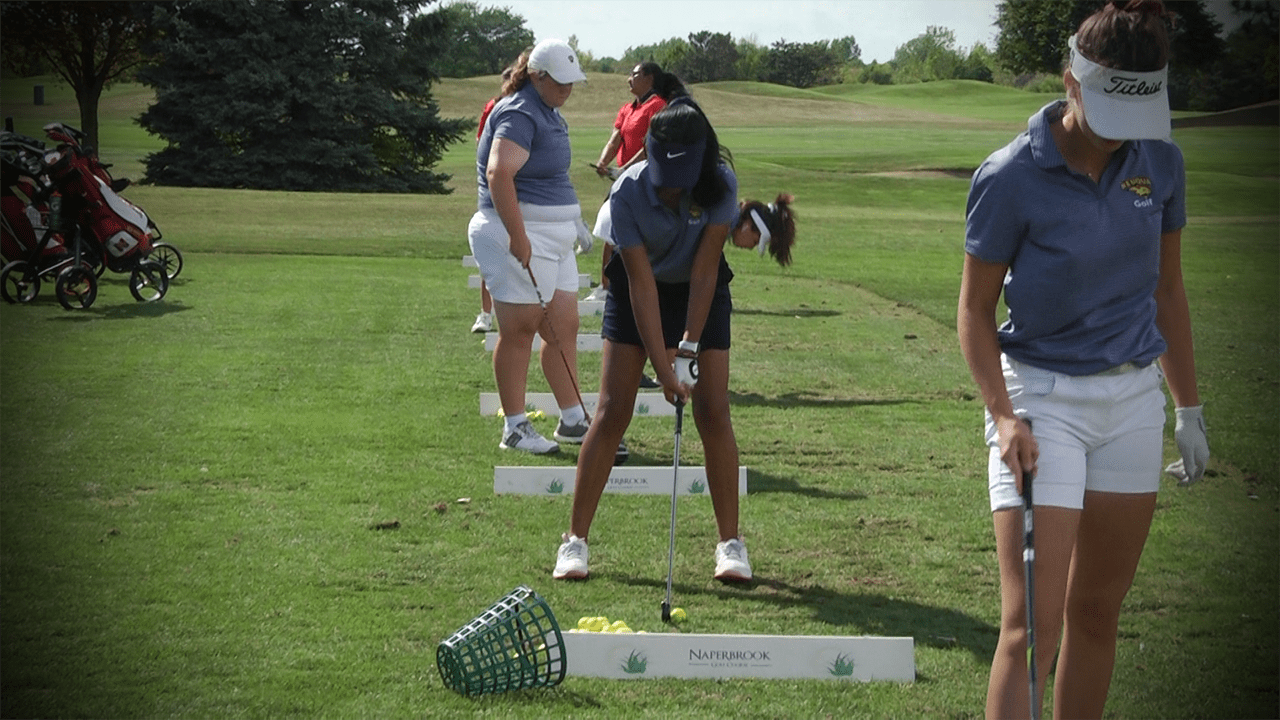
1078 222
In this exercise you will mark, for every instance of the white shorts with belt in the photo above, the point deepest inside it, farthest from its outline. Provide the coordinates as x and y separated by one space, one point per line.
1102 433
551 230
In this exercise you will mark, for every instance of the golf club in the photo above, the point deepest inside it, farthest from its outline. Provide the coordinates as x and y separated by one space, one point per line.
1029 562
572 377
671 545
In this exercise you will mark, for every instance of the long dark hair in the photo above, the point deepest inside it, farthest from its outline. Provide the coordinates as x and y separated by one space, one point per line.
665 85
683 122
1127 35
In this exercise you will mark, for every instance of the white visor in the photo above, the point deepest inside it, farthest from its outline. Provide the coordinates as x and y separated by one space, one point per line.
765 236
1123 105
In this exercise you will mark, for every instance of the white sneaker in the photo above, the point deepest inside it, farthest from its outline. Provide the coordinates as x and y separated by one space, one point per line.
483 323
571 558
525 438
599 294
731 561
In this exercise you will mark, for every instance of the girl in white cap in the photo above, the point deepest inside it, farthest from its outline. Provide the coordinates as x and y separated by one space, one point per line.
527 221
1079 222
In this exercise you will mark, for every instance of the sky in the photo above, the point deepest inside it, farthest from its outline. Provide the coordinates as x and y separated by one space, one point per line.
606 28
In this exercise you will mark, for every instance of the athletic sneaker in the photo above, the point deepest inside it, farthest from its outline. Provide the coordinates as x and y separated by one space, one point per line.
622 454
649 383
572 434
571 558
599 294
525 438
731 561
483 323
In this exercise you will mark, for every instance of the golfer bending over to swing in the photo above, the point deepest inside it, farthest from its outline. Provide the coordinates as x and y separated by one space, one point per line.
670 218
1079 221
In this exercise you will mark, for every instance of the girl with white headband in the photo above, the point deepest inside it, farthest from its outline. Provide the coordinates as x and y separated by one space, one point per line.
767 228
1078 222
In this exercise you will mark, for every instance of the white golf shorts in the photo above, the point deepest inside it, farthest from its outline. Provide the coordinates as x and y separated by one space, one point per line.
553 263
1102 433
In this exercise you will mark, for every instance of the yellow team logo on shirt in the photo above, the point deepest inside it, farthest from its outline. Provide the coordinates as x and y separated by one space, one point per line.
1140 186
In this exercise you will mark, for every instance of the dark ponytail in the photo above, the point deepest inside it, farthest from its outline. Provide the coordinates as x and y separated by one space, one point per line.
780 220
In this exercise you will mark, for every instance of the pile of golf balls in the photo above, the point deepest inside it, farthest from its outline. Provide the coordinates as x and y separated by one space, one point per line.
601 624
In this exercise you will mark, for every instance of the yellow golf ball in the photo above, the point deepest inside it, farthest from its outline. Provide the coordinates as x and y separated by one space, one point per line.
679 615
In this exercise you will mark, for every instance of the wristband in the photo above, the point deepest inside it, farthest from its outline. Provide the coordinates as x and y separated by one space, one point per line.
687 346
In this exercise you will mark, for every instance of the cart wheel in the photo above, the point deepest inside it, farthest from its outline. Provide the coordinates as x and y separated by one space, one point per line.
148 282
168 256
77 287
17 285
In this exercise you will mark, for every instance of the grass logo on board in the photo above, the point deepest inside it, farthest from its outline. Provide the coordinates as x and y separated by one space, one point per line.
696 487
555 488
636 663
842 667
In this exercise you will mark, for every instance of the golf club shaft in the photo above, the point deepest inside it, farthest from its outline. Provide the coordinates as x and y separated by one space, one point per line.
671 543
573 378
1029 562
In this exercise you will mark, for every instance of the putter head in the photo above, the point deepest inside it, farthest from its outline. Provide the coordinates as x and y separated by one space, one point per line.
666 611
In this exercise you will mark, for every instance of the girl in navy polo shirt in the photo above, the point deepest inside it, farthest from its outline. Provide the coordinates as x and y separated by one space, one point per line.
1079 222
671 216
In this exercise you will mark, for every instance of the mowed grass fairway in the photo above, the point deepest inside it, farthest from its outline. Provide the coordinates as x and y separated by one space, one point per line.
243 501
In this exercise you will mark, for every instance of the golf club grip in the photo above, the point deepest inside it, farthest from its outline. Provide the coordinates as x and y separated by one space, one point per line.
679 416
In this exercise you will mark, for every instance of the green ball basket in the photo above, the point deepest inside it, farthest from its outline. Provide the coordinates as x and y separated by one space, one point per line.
515 644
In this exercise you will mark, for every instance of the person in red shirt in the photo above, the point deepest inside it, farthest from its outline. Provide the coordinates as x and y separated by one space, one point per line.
652 88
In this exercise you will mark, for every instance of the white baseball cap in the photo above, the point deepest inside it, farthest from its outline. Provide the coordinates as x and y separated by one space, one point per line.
1123 105
558 60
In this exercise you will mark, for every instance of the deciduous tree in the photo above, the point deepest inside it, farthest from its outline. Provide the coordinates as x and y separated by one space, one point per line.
90 45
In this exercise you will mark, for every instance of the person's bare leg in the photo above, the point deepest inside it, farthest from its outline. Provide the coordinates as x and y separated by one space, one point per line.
561 371
517 324
1055 537
619 379
1113 531
715 428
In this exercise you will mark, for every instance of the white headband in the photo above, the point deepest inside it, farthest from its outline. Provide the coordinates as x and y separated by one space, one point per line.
1122 105
765 235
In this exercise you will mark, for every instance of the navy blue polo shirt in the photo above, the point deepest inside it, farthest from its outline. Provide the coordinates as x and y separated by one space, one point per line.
670 238
523 118
1084 257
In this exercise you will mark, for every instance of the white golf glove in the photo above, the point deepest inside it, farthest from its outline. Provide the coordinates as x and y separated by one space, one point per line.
687 370
1193 446
584 239
687 367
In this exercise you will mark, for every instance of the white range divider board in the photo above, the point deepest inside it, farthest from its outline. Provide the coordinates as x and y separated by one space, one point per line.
648 404
473 281
623 480
586 342
653 655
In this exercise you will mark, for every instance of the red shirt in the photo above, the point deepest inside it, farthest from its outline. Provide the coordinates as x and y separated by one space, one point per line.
488 108
633 121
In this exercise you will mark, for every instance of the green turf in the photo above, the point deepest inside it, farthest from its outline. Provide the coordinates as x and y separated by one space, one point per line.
243 501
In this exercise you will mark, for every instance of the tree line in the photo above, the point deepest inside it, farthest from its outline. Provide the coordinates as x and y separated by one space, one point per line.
336 94
1207 73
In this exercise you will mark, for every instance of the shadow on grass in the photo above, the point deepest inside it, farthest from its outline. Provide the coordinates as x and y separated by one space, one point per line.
761 482
122 311
805 399
855 613
793 313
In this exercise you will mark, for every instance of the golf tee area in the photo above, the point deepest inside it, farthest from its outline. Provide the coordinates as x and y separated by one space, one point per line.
271 493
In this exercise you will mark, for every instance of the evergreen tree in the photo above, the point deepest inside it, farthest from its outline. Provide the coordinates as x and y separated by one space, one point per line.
318 95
